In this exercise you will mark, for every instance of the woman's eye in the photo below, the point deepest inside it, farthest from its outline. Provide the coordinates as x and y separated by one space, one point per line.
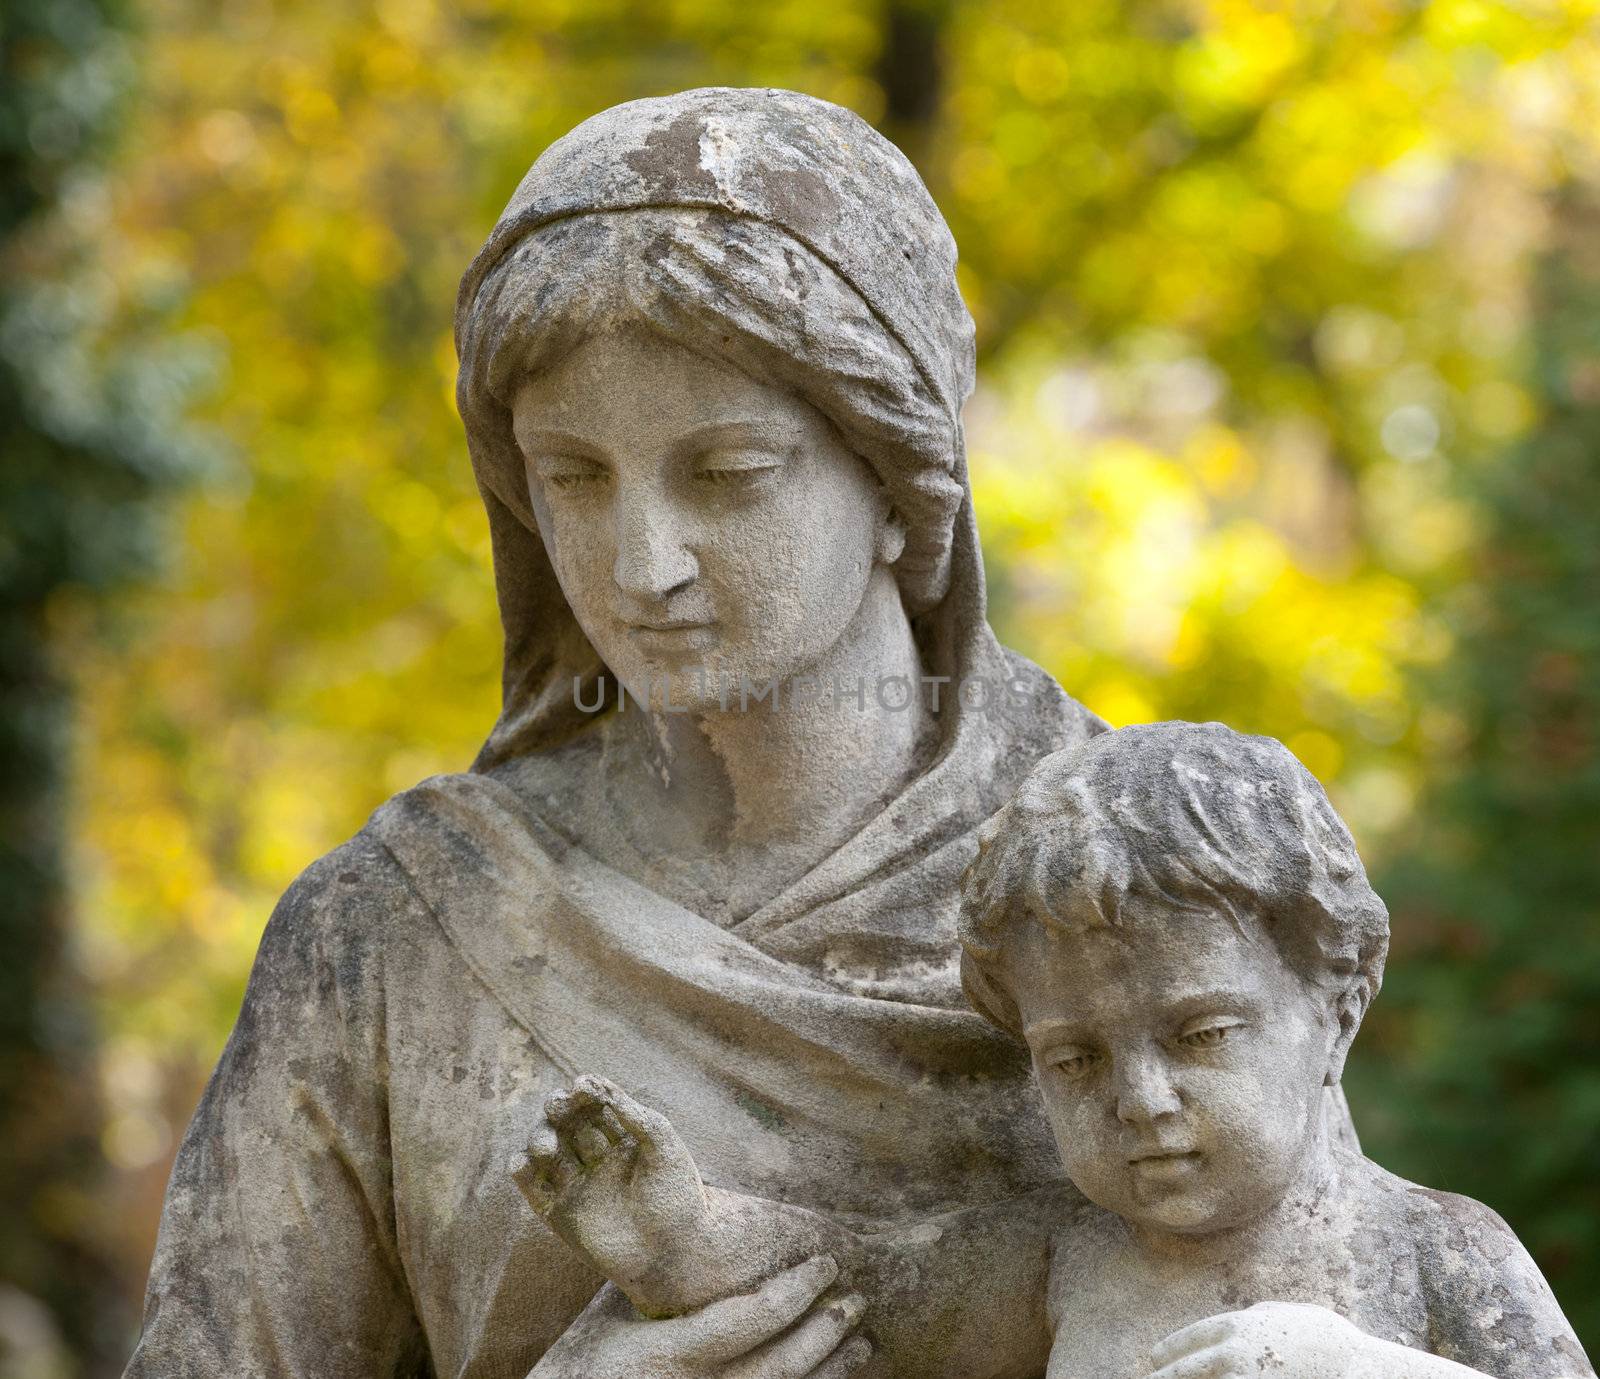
745 473
570 474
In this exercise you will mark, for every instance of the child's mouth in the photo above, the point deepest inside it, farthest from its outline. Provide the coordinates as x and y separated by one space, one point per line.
1164 1158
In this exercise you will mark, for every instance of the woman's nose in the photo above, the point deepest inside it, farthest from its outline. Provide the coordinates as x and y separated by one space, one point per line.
653 560
1144 1089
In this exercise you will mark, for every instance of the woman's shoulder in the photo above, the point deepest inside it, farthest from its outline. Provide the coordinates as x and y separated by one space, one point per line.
370 931
1033 718
363 892
1045 711
553 781
363 912
430 843
339 914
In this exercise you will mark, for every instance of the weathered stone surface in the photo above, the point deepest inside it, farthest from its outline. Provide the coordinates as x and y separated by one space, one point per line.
713 359
1177 923
744 914
765 229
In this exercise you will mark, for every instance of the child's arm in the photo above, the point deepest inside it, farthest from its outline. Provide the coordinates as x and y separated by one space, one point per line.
1489 1307
1490 1313
959 1294
1297 1340
1303 1341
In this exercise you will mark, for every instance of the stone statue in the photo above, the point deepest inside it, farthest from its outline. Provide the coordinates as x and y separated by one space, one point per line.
712 365
1176 922
713 360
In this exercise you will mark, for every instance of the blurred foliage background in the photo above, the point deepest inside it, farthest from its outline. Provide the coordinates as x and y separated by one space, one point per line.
1289 416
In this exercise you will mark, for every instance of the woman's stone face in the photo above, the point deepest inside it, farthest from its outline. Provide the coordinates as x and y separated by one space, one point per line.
707 530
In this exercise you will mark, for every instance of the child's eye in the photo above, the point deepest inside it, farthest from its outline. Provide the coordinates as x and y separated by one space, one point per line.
1209 1035
1074 1062
738 476
1205 1038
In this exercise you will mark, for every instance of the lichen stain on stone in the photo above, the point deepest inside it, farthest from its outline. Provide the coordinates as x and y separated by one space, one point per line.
760 1112
669 158
802 196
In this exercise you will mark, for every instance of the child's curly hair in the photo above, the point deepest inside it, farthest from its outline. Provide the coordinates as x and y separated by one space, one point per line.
1194 816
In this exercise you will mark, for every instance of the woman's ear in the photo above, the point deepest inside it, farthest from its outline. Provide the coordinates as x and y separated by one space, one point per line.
1346 1011
891 542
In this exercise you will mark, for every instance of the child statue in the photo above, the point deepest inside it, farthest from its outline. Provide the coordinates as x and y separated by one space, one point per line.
1176 922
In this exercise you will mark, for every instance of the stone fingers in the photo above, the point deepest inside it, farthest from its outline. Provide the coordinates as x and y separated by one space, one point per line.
550 1169
641 1122
599 1097
728 1330
798 1352
585 1125
847 1359
1196 1336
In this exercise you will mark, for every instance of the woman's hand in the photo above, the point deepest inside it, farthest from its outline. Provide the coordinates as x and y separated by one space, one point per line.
1292 1340
772 1333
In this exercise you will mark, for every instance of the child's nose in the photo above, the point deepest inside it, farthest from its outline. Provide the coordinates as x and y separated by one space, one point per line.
1144 1089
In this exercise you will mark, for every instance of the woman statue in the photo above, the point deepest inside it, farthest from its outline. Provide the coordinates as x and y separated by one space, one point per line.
713 360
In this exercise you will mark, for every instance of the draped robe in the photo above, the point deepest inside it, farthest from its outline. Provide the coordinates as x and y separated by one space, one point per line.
342 1204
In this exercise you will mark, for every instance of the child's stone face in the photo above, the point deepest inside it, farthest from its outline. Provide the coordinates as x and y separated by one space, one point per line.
1182 1064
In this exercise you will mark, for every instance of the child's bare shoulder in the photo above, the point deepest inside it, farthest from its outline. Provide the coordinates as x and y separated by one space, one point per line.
1488 1306
1085 1237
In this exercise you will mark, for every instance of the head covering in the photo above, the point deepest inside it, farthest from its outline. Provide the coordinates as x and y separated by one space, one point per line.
730 182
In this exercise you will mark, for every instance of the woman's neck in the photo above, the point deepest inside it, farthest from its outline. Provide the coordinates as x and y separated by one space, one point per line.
798 770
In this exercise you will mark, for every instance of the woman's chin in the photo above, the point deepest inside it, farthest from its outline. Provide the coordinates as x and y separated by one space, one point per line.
685 685
680 680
